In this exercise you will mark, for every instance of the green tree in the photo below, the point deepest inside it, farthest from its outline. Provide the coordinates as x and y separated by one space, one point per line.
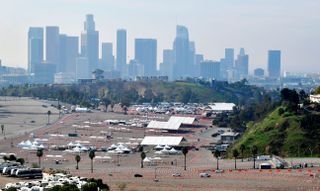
242 149
185 151
91 156
21 161
235 154
5 158
90 186
11 189
217 154
39 155
12 158
77 158
143 156
254 151
66 187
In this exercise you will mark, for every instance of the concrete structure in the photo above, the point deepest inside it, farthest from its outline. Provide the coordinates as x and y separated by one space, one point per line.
146 55
168 61
107 57
242 65
121 51
53 47
182 66
274 63
69 52
90 43
35 48
82 68
210 69
229 137
44 73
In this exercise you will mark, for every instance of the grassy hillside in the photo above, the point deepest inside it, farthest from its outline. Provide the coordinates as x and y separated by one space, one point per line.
282 133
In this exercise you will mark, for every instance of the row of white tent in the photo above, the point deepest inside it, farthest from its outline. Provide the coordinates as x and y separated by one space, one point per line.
119 149
166 151
28 145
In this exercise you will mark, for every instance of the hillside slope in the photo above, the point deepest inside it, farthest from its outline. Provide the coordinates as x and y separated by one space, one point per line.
283 133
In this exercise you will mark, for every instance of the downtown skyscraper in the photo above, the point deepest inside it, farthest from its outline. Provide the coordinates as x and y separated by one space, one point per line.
90 44
121 62
53 47
146 55
107 58
35 48
274 63
182 65
242 65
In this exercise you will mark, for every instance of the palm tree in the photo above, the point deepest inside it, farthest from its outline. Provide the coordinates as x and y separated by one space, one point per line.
39 155
49 113
242 148
185 152
235 154
91 156
143 156
77 158
217 154
254 152
59 108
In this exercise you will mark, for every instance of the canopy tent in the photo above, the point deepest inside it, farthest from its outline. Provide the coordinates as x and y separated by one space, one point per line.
162 140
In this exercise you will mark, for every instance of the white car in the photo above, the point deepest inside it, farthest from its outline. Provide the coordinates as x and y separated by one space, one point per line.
177 174
204 175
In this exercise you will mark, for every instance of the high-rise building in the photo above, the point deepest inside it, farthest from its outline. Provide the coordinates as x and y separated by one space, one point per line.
53 46
90 43
35 48
242 65
229 56
191 59
69 51
227 63
168 61
274 63
182 65
198 59
107 58
82 68
135 69
210 70
146 55
121 51
44 73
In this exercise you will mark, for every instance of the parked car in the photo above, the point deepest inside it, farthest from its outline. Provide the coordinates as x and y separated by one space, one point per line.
138 175
204 175
177 174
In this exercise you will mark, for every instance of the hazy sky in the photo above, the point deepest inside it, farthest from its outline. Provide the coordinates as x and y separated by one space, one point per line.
292 26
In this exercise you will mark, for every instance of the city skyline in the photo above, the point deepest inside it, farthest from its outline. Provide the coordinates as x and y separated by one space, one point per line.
295 36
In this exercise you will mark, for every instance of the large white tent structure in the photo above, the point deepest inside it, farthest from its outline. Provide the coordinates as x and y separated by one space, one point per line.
162 140
174 123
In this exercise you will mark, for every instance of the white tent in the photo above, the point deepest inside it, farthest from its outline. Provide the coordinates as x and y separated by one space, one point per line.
147 159
173 151
162 140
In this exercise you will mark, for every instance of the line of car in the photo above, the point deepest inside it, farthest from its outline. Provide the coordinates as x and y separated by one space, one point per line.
19 171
